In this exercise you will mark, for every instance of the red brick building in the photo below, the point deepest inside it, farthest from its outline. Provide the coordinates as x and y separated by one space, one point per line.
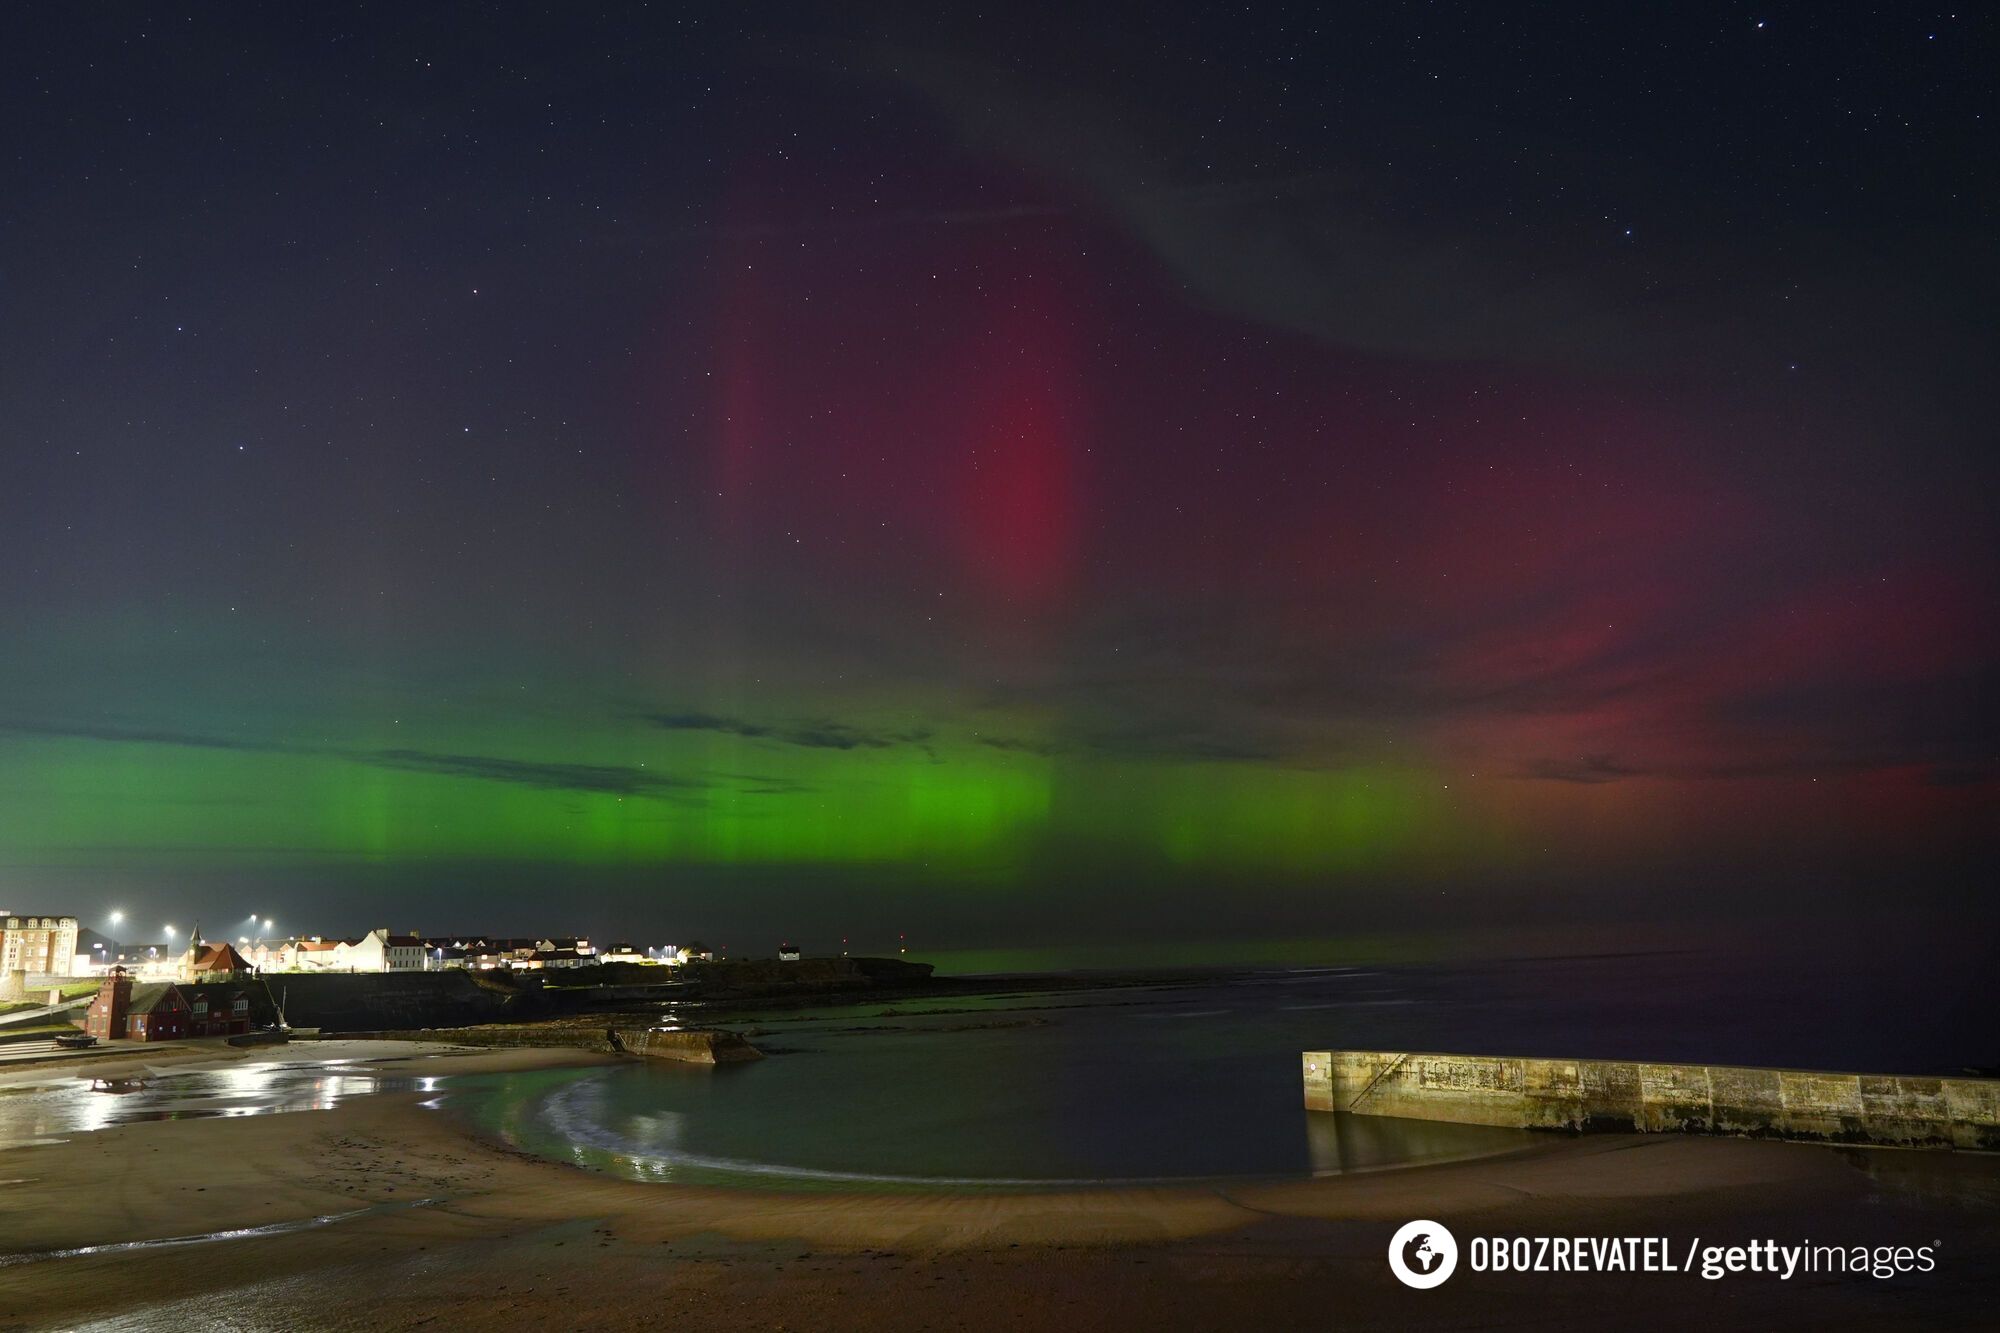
171 1010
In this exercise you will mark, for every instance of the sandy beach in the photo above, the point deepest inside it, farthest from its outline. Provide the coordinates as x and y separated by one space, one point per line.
421 1223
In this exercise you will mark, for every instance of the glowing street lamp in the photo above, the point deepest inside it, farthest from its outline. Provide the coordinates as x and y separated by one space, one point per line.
117 915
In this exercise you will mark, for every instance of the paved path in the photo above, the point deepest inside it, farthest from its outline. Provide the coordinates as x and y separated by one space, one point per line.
28 1052
44 1014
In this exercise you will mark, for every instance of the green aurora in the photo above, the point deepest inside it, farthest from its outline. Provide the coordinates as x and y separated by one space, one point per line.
636 794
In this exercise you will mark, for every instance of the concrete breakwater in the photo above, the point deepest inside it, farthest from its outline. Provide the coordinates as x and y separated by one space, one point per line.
1581 1095
697 1047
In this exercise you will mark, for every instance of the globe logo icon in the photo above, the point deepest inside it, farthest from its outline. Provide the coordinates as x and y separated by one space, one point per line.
1422 1254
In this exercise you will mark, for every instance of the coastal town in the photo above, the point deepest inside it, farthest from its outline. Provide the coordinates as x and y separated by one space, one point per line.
67 986
48 946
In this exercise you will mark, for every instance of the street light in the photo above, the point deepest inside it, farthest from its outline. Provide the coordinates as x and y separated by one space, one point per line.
116 916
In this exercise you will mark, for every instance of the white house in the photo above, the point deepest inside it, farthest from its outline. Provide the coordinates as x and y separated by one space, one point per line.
377 951
313 955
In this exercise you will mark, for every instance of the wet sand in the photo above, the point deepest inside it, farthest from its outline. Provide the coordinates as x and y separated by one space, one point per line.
436 1228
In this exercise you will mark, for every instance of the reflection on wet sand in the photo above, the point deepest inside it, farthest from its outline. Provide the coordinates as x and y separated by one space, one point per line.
1340 1144
208 1237
87 1101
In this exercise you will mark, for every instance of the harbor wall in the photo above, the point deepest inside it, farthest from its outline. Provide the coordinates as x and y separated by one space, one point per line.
1583 1095
376 1002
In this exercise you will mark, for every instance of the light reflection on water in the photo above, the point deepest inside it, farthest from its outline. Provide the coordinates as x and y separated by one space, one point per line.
668 1126
1057 1089
1198 1077
80 1103
1139 1082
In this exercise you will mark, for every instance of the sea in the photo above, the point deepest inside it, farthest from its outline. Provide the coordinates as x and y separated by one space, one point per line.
1077 1081
1190 1076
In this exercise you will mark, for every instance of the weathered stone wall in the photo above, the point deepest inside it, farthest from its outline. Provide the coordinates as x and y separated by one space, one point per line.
377 1002
1628 1095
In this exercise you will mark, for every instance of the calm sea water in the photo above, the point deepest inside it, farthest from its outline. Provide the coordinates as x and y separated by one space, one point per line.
1186 1081
1135 1082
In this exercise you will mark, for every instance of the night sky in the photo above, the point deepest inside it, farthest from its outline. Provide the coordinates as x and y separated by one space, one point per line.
1096 476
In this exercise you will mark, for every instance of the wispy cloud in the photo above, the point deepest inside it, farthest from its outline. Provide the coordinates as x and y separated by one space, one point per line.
623 780
816 735
619 779
88 731
1589 770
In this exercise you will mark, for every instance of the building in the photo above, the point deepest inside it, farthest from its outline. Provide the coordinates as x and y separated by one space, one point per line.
94 952
478 952
267 955
788 953
377 951
129 1010
546 958
313 955
37 944
156 1012
213 962
578 946
484 953
220 1009
125 1010
625 953
146 961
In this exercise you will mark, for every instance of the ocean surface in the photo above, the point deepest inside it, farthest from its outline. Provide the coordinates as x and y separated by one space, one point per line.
1188 1079
1179 1078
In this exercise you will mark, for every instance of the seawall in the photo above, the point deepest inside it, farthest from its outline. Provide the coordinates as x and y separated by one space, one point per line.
1581 1095
376 1002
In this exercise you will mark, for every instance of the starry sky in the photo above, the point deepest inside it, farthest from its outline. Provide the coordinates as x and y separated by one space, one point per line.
1013 477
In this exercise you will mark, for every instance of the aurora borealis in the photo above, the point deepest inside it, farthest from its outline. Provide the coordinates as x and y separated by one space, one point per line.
845 473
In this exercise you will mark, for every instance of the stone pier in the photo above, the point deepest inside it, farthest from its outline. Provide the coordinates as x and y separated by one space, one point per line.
1580 1095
